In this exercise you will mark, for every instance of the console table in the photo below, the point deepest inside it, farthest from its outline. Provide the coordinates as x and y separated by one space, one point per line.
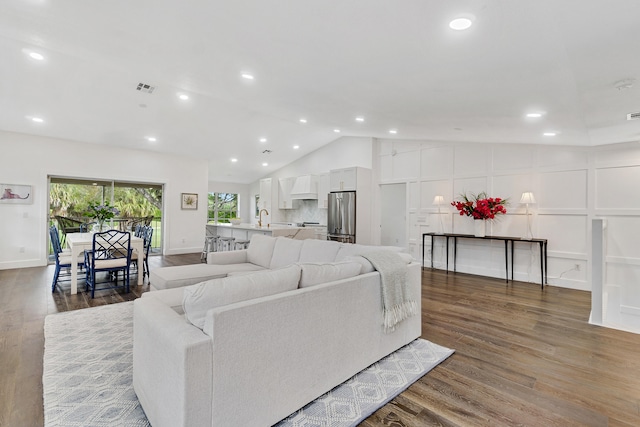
542 243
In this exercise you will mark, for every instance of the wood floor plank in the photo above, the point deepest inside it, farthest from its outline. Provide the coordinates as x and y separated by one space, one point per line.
523 356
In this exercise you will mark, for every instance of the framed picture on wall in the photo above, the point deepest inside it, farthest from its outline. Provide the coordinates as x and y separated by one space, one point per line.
189 201
13 193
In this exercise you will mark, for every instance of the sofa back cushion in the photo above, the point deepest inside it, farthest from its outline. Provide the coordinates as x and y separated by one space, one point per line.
367 267
316 273
200 298
260 250
286 251
314 250
354 249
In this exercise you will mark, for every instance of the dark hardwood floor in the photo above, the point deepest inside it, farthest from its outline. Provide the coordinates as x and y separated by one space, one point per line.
523 356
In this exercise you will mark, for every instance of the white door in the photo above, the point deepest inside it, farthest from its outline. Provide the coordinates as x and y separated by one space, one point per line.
393 220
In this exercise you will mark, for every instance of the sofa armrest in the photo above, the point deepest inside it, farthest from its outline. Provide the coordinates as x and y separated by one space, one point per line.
172 366
227 257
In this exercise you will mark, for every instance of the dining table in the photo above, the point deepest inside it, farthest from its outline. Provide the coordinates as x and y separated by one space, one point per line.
79 242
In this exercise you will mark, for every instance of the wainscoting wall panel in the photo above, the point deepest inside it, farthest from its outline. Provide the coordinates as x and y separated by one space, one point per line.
471 160
430 189
572 186
436 162
562 190
610 194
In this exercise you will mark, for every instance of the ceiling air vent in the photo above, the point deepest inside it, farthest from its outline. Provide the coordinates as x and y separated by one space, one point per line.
633 116
143 87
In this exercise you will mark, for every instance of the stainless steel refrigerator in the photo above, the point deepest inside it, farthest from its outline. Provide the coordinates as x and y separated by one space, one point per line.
341 221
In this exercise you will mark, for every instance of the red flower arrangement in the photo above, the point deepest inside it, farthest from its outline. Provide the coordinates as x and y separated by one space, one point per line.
480 206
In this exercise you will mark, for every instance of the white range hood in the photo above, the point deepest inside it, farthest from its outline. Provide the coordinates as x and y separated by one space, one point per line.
305 188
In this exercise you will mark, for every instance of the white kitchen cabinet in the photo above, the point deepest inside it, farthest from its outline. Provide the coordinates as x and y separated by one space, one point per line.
265 194
343 179
323 191
284 192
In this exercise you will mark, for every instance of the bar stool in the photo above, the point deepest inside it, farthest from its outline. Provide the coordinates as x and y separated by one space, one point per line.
210 245
241 244
225 243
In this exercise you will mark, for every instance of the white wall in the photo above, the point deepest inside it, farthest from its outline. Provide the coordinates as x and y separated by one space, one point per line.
29 160
571 186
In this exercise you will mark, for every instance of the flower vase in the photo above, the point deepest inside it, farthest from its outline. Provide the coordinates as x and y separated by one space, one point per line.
98 227
480 227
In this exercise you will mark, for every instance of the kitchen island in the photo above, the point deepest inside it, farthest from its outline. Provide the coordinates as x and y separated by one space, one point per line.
244 231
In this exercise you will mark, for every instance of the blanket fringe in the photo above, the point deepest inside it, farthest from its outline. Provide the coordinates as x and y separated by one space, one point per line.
397 313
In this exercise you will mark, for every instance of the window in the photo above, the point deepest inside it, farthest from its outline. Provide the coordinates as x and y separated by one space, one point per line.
222 207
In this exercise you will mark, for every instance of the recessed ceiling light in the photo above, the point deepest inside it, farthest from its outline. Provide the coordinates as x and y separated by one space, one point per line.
534 115
183 96
360 119
151 139
234 160
336 130
37 56
265 164
37 119
263 139
460 24
303 120
393 131
247 76
549 134
295 147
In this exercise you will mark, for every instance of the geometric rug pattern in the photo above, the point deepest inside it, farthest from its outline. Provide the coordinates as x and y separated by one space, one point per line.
354 400
88 375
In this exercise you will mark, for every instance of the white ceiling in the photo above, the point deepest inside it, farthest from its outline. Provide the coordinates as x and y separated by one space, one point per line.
396 63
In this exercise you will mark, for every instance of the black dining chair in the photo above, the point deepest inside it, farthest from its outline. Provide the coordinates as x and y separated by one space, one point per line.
110 253
62 258
146 233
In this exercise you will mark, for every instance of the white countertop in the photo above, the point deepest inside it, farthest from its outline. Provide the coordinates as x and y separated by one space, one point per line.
247 226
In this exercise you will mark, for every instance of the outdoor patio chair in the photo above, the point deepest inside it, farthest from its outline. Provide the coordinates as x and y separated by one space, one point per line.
68 225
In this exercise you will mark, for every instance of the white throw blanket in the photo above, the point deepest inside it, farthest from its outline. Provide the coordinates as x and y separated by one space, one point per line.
396 303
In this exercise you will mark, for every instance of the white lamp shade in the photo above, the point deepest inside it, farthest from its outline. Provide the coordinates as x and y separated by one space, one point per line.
527 197
438 200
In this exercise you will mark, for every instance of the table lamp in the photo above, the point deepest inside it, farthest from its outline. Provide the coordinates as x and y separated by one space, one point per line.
527 198
439 201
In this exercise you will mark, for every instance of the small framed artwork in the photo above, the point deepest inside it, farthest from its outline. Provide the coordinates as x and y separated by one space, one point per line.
13 193
189 201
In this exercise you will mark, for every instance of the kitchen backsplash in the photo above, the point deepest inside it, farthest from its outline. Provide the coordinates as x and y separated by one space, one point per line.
305 210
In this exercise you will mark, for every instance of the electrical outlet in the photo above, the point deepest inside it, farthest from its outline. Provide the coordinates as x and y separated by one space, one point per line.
577 267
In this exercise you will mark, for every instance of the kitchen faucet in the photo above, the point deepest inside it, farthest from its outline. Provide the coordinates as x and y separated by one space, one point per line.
260 216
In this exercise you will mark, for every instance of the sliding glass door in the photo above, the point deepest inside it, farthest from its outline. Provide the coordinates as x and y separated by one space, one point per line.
69 199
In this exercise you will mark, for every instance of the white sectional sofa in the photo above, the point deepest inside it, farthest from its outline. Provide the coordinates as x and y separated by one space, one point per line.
264 252
272 340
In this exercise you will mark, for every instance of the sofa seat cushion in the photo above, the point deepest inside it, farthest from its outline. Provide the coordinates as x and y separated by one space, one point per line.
200 298
260 250
316 273
314 250
285 252
185 275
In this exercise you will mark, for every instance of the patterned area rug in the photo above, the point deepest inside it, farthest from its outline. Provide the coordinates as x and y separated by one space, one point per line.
87 377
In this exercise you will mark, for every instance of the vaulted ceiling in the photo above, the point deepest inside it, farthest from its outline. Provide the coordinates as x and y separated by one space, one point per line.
395 64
